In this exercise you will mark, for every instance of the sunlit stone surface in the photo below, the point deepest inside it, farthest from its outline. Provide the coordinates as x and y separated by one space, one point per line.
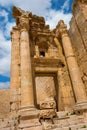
48 74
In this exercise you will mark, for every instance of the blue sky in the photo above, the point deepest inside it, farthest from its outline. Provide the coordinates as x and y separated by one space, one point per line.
51 10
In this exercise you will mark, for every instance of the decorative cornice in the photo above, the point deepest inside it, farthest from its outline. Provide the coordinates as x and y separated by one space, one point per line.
17 12
22 18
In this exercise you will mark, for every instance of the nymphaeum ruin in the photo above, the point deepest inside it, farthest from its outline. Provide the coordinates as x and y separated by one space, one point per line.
48 72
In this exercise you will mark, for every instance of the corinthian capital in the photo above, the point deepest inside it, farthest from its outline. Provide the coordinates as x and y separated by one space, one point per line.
62 28
24 23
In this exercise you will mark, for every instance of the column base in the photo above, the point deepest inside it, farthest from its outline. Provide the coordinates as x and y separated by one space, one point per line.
28 111
28 118
29 107
80 106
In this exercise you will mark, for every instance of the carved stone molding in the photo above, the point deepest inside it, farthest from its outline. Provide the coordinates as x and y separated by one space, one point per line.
61 28
24 23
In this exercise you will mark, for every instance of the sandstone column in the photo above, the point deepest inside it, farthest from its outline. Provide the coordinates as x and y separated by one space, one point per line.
75 76
60 78
60 89
59 47
27 97
36 51
15 67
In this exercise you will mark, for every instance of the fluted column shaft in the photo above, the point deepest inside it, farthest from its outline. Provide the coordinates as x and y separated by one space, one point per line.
59 47
27 97
75 75
74 71
36 51
15 68
60 89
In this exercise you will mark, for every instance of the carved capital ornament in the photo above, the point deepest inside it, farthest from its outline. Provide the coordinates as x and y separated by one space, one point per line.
62 27
24 23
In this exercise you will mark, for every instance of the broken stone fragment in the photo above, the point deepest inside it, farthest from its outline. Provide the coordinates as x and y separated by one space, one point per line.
48 104
48 113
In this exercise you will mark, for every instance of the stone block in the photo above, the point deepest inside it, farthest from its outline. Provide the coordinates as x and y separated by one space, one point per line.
62 114
64 123
29 123
66 128
29 114
82 129
33 128
48 113
48 125
48 104
78 126
13 106
5 128
58 129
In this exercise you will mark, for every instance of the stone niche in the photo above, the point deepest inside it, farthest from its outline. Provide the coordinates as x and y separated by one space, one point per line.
46 86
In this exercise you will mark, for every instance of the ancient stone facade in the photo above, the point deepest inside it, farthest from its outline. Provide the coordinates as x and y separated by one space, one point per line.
78 27
48 73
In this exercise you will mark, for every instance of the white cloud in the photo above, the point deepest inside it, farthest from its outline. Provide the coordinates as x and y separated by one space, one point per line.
5 65
66 5
43 8
4 14
4 84
55 16
5 45
5 25
38 7
8 28
4 55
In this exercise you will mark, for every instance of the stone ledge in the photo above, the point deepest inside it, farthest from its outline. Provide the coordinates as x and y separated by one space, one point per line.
80 106
48 113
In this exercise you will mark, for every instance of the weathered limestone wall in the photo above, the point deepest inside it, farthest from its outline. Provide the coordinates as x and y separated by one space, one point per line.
78 35
4 102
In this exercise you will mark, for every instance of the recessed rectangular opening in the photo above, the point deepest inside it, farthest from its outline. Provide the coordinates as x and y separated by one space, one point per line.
46 88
